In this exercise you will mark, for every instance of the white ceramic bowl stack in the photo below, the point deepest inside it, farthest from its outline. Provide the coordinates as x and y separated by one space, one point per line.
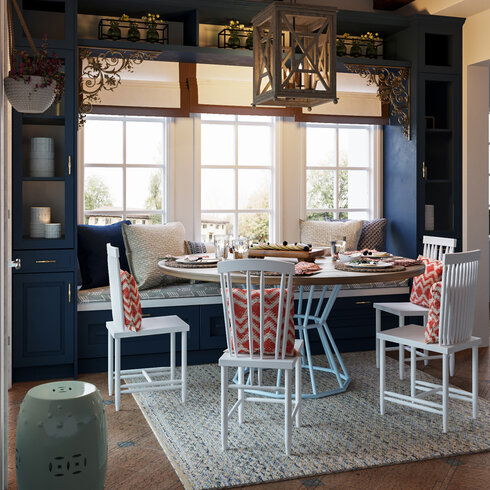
40 216
42 157
52 230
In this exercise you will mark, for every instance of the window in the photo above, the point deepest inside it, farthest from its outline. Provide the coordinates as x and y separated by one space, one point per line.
339 171
237 176
124 169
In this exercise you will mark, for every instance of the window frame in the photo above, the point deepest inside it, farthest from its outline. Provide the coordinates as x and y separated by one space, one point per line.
374 169
274 218
165 166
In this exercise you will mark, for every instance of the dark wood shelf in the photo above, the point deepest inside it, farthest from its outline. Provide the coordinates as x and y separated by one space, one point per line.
43 179
438 181
43 119
439 131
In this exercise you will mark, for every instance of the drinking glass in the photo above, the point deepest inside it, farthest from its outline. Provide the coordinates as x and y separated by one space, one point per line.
240 247
221 246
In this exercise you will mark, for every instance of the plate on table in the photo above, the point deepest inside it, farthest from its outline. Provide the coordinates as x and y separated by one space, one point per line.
196 259
364 265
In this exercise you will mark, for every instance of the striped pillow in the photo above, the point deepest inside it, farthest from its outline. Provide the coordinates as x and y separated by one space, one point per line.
271 311
131 302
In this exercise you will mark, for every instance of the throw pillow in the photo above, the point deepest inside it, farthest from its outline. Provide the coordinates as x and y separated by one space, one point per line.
131 302
321 233
92 252
421 288
271 311
195 247
148 244
373 234
433 318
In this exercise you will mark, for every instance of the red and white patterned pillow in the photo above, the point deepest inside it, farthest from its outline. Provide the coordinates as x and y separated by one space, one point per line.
420 294
131 302
433 319
271 311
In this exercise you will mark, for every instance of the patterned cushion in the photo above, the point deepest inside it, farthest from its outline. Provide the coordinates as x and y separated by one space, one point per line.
131 302
271 311
421 288
321 233
373 234
146 245
432 327
195 247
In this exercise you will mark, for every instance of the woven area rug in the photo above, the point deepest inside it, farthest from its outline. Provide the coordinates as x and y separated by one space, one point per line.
339 433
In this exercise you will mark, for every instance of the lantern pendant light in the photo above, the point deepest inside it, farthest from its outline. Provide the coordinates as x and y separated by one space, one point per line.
294 55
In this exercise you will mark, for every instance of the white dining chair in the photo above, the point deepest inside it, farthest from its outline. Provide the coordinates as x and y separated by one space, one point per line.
157 325
434 248
231 358
457 312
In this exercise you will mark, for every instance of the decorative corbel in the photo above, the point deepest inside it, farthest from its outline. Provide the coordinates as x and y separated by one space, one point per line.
102 72
393 84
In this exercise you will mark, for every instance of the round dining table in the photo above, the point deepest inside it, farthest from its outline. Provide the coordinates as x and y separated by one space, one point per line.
323 286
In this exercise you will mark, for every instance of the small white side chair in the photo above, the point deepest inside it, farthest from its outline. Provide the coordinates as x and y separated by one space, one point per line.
232 359
158 325
458 297
434 248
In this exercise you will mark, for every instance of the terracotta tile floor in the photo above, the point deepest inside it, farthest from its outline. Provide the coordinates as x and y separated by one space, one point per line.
136 460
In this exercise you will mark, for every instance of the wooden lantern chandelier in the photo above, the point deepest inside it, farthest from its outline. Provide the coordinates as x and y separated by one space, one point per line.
294 55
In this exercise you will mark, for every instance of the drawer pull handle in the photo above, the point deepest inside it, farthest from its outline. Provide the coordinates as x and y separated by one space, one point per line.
145 315
69 292
363 302
50 261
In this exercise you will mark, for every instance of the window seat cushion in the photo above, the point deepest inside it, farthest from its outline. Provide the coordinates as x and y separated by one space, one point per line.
201 290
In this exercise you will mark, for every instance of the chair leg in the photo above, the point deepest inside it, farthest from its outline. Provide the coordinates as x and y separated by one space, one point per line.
172 356
110 363
378 329
426 361
241 394
224 407
287 411
413 364
117 380
298 391
382 377
183 362
401 351
445 390
452 364
474 380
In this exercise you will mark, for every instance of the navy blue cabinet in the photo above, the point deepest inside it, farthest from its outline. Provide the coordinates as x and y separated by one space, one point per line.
43 319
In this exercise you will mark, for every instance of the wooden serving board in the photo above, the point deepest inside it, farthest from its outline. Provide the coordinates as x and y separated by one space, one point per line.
288 254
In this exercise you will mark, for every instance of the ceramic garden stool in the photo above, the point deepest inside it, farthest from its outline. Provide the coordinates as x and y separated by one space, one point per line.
61 440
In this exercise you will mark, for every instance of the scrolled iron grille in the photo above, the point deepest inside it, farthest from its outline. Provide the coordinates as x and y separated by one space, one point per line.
393 88
103 72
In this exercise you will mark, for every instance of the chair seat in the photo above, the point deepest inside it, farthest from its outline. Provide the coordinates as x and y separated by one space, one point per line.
413 335
402 308
244 360
154 325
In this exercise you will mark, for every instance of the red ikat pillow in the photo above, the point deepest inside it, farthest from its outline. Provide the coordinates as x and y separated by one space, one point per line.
432 327
131 302
271 310
420 294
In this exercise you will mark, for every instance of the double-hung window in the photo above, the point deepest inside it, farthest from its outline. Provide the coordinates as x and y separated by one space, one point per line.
237 176
340 171
124 169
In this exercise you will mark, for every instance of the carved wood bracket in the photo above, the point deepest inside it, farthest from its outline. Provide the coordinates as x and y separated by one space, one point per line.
102 71
393 84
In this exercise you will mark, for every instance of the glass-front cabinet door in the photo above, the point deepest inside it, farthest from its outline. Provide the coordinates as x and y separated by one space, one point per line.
43 172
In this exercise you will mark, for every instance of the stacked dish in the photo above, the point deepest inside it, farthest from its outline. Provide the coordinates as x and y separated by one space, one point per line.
40 216
52 230
42 157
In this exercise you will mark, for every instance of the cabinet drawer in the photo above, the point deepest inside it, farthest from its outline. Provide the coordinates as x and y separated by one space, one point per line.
45 261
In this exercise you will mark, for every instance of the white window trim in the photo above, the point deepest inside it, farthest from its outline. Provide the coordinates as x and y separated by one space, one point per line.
168 196
274 220
375 171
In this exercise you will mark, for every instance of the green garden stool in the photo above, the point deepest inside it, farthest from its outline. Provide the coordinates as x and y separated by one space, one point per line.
61 440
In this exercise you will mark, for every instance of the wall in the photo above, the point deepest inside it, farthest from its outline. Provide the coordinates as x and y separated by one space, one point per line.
476 59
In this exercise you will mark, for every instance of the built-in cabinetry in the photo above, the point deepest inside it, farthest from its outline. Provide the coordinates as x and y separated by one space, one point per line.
44 284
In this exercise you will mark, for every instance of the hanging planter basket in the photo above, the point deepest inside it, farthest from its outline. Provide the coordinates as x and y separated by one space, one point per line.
29 97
